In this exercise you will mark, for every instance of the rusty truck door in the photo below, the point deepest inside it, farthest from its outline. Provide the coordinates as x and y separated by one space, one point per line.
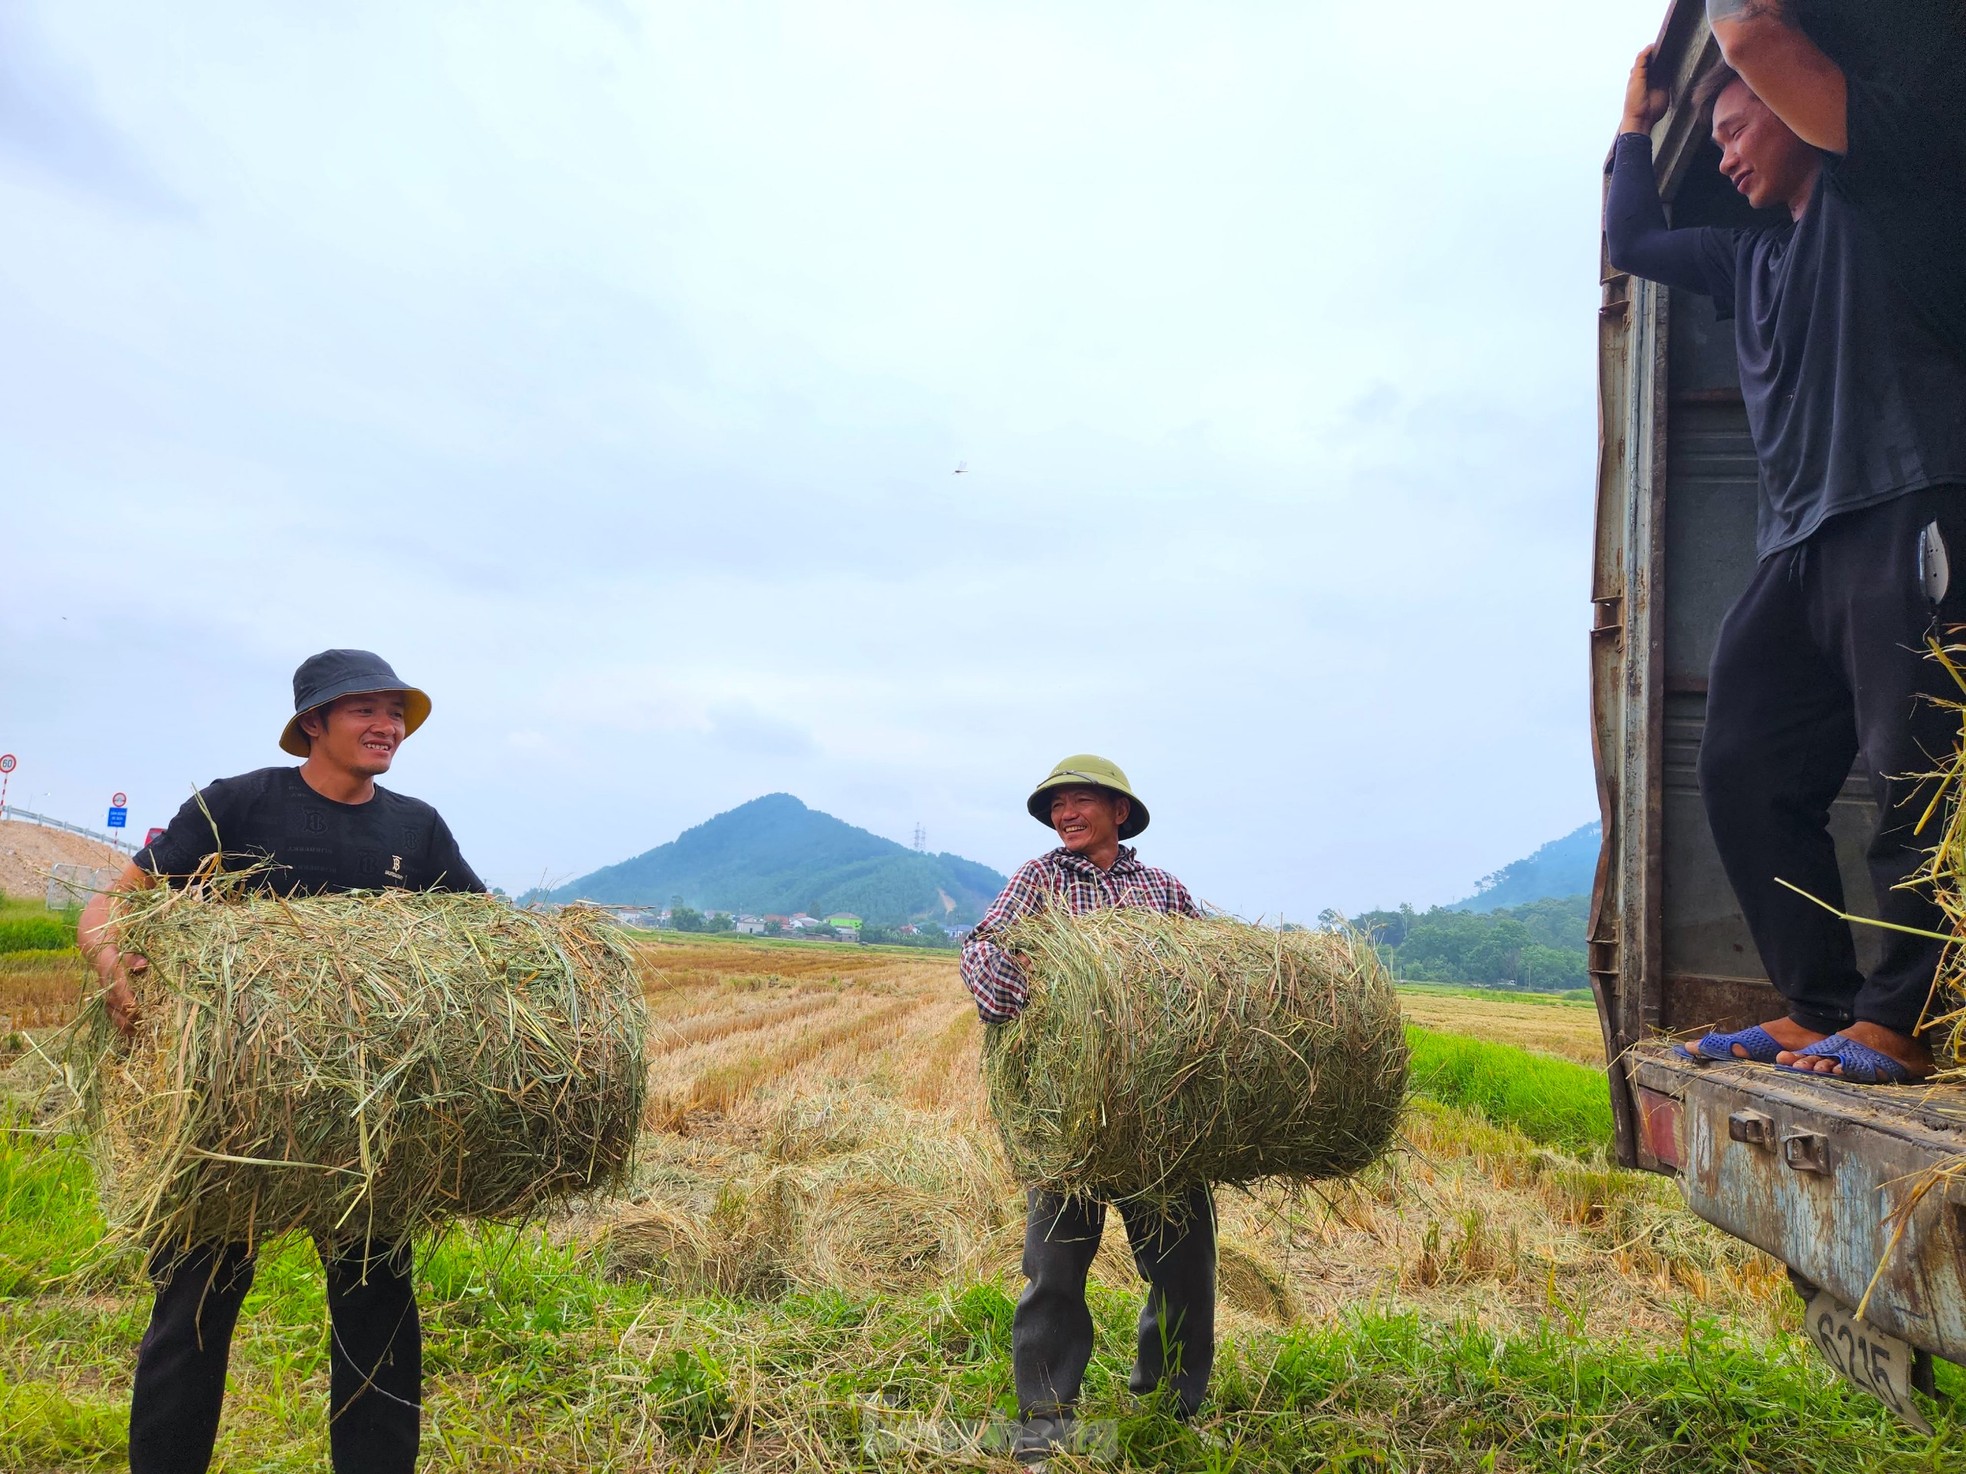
1861 1191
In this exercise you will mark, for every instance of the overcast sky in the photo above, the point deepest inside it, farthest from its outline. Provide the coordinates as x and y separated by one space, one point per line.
605 366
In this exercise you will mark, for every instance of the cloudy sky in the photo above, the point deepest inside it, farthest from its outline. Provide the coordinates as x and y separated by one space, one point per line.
606 365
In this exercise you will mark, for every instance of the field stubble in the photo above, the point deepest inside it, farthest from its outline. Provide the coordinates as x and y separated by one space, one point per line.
821 1222
819 1124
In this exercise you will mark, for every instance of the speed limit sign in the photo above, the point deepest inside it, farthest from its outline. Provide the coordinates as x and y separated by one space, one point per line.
119 801
7 763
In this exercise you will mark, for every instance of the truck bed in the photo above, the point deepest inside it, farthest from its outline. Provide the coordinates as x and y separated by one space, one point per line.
1824 1176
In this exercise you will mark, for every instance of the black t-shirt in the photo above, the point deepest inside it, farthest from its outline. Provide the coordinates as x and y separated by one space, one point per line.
1852 398
316 845
1906 65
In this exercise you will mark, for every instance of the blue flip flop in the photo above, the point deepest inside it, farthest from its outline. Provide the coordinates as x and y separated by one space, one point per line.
1862 1065
1719 1048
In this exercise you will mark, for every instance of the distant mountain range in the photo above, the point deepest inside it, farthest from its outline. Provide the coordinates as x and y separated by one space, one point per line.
774 855
1563 867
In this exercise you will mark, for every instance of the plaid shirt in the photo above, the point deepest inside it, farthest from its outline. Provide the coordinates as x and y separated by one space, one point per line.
1058 878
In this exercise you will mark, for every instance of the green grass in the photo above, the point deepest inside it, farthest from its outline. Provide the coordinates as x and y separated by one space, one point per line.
49 1227
44 933
537 1362
1551 1101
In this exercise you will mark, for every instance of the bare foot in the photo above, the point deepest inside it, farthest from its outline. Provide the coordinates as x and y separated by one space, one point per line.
1787 1033
1906 1050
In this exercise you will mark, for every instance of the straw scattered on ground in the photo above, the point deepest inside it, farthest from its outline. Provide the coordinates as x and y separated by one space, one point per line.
741 1193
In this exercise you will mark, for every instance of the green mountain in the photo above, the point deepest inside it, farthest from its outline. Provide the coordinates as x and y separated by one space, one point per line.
1524 927
775 855
1563 867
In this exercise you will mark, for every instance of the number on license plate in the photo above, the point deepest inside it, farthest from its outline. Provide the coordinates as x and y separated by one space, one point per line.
1868 1358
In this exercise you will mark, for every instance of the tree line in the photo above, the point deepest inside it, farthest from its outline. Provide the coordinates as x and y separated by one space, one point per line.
1540 945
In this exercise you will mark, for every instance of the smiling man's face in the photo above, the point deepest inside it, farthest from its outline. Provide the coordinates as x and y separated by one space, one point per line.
1759 154
358 734
1088 819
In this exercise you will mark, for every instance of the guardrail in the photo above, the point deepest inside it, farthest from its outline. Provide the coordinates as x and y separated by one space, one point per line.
10 811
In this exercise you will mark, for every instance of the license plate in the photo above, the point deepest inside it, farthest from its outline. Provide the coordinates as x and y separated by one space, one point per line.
1874 1360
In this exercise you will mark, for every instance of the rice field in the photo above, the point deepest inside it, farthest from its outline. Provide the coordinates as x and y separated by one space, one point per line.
819 1123
1566 1028
820 1245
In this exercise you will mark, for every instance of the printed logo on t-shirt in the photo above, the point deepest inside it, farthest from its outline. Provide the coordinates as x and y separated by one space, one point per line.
395 870
314 823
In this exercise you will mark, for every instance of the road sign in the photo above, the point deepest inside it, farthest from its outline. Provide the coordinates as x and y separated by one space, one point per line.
7 763
152 835
119 818
119 800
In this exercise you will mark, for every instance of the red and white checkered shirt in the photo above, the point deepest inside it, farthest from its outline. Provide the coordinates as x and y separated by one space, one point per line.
1059 878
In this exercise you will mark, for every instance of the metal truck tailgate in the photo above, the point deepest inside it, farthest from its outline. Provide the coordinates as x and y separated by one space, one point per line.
1823 1175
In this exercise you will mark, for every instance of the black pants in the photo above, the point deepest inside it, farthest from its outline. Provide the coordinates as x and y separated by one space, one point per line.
1051 1334
375 1358
1821 661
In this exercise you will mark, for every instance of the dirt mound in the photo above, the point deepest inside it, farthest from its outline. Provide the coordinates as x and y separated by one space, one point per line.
29 851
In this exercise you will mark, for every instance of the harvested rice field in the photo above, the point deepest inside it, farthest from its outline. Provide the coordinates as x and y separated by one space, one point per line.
1563 1027
815 1265
819 1123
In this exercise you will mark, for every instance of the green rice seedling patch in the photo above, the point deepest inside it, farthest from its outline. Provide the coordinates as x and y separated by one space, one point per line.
1551 1101
42 933
48 1206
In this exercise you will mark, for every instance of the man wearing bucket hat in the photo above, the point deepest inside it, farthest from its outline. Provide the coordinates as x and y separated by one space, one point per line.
325 826
1092 808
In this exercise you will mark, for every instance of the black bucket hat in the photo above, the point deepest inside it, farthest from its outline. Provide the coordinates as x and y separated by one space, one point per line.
335 673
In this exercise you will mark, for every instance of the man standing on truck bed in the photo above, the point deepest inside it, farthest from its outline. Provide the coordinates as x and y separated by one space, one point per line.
1853 370
324 826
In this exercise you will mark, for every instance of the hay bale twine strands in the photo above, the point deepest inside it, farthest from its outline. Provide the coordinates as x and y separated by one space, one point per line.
375 1064
1158 1052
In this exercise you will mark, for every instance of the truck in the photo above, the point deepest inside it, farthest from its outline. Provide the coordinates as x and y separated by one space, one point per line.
1859 1190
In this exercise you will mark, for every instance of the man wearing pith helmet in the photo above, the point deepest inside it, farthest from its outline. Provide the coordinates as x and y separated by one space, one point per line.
325 826
1089 804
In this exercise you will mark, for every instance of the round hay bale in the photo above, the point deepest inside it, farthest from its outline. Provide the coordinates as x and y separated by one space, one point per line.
374 1064
1158 1052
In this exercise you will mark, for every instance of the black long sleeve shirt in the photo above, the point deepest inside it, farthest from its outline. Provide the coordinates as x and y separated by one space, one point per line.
1851 397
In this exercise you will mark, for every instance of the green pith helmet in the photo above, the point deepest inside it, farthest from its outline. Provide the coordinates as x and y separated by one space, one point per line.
1078 771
